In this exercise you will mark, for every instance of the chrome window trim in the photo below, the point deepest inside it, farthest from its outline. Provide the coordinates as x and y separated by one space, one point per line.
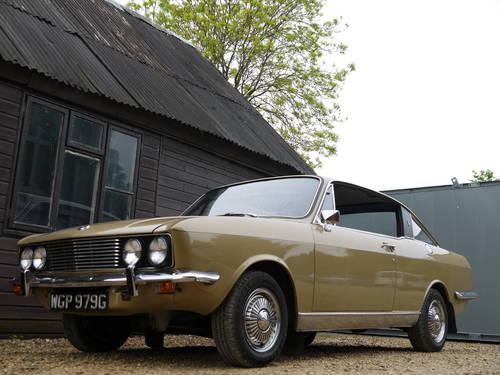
317 217
371 233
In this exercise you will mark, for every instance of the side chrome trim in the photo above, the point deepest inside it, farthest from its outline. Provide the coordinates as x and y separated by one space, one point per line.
466 295
120 278
326 321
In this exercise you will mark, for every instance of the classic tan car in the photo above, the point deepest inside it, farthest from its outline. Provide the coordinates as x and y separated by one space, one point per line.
256 265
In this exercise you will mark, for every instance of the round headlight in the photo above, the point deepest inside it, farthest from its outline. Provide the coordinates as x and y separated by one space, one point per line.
132 251
157 251
26 258
39 257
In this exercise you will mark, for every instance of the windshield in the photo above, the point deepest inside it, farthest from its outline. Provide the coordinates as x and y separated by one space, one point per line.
291 197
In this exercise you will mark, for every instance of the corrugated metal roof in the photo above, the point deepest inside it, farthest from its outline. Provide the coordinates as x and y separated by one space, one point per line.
104 49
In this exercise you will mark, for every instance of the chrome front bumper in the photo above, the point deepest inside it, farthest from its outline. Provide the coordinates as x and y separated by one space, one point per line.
128 277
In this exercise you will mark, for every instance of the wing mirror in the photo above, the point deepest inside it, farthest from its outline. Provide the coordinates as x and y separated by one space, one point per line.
330 216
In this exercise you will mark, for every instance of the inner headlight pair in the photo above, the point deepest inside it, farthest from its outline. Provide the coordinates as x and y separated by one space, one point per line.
157 251
37 258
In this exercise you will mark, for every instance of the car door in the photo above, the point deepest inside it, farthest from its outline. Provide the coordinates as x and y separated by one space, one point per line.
415 264
355 267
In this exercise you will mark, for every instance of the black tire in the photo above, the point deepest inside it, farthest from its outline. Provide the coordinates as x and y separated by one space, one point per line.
242 326
429 334
309 338
96 333
154 339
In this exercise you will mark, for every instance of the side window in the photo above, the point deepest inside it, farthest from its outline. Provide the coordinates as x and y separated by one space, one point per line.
67 161
419 233
376 222
366 210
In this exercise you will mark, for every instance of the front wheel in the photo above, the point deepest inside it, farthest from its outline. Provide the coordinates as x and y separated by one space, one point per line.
429 334
96 333
249 327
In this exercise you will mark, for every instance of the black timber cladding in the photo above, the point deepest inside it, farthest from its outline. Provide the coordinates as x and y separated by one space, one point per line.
126 59
185 173
148 176
17 315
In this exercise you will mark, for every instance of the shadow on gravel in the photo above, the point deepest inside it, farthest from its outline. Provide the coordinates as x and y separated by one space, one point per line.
325 350
187 356
207 356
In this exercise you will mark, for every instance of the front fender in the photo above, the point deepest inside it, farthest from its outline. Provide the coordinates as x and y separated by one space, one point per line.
230 255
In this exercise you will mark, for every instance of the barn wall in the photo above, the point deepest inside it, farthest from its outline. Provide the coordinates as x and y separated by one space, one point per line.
17 315
171 174
187 172
148 176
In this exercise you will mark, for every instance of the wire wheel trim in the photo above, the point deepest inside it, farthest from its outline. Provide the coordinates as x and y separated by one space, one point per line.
436 321
262 320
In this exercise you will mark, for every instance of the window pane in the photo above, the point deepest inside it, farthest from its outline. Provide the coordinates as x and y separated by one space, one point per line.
419 234
375 222
279 197
78 190
37 169
328 201
121 161
116 206
87 133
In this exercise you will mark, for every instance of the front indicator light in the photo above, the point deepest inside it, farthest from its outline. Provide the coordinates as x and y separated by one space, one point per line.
166 287
132 251
26 258
39 258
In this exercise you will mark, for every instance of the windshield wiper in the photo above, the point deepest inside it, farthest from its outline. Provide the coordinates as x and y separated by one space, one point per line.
238 214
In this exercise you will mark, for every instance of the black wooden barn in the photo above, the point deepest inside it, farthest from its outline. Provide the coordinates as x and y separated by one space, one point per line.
105 116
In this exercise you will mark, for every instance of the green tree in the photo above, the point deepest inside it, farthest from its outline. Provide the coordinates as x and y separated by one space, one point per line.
274 52
484 175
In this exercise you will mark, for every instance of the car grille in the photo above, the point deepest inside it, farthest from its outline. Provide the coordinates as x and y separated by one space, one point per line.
83 254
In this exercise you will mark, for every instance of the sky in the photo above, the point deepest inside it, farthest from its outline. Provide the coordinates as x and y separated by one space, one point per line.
423 104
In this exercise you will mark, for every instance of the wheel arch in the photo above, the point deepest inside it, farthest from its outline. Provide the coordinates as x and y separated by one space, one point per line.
441 288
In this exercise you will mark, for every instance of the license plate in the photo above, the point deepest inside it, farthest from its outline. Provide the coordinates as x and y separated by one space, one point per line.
78 301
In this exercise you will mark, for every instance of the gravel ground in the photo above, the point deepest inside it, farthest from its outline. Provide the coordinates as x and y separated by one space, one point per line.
329 354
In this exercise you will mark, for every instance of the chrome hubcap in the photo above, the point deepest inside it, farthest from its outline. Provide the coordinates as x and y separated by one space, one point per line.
262 319
436 321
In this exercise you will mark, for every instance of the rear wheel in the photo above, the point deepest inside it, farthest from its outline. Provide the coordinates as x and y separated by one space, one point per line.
249 327
429 334
96 333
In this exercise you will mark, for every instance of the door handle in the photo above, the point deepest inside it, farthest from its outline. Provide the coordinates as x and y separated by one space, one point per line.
388 247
